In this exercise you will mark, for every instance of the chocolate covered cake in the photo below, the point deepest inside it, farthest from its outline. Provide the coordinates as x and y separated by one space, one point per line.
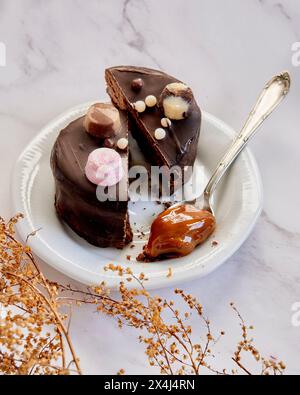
104 224
94 151
168 128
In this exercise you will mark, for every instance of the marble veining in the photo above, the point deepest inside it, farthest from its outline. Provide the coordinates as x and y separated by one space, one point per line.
56 55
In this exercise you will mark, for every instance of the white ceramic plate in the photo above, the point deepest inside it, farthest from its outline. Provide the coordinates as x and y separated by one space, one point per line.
238 203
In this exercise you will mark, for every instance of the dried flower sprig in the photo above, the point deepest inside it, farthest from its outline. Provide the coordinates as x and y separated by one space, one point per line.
269 366
168 336
34 336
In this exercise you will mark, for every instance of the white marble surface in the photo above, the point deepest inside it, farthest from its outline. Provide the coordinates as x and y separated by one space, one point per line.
56 54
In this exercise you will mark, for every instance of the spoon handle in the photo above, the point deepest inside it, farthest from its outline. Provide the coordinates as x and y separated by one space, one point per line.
272 95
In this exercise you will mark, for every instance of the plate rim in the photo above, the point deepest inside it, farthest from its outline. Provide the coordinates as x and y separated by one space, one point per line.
113 281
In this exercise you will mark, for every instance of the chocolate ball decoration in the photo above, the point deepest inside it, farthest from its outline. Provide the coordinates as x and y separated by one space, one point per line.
137 84
102 120
176 100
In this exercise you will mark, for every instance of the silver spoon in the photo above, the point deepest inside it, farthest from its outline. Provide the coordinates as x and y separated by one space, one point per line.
272 95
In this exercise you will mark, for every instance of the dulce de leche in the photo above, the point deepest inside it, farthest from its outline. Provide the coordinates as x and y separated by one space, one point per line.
177 232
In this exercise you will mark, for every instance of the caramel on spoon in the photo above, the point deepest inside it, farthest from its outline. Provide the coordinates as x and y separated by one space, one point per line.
177 231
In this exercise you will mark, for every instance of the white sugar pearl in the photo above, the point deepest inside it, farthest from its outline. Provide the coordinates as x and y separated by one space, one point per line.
165 122
140 106
122 143
151 101
160 134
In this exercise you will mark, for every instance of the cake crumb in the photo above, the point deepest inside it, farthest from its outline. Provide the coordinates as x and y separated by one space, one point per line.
121 372
170 273
128 257
132 246
214 243
167 205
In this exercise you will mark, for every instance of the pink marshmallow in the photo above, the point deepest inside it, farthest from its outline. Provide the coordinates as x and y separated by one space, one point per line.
104 167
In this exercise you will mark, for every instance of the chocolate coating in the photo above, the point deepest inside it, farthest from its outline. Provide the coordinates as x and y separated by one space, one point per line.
104 224
108 143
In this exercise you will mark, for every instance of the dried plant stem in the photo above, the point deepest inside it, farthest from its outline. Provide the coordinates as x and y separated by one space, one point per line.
26 346
241 366
34 303
57 317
